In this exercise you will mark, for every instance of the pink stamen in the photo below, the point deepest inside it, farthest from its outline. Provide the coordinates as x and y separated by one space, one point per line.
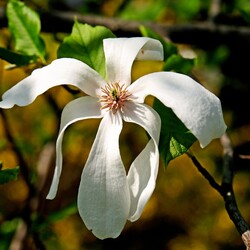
115 95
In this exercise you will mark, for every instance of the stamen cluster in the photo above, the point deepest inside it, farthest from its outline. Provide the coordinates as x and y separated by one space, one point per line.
115 95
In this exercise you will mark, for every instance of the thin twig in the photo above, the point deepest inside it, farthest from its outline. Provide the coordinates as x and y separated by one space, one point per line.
19 236
205 173
24 169
22 232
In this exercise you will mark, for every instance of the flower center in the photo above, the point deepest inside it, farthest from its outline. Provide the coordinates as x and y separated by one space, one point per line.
114 97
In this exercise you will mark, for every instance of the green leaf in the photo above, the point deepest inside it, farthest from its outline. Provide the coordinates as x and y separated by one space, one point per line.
16 58
173 60
24 24
86 44
179 64
63 213
8 174
7 231
42 225
142 10
187 10
245 14
168 47
175 138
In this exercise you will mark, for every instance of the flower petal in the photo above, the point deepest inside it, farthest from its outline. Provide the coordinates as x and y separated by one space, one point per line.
103 197
120 54
196 107
61 71
143 171
79 109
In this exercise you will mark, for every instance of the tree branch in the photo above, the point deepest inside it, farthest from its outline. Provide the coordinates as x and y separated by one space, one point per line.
204 35
228 192
226 188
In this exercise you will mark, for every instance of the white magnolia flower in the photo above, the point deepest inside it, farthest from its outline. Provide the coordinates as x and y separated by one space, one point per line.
107 197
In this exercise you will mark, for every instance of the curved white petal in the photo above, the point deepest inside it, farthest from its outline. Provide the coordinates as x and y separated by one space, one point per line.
61 71
143 171
103 197
196 107
78 109
120 54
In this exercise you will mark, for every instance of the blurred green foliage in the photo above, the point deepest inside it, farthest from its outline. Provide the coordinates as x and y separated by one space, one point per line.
7 175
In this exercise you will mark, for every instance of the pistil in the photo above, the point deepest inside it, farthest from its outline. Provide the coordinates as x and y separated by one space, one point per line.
115 95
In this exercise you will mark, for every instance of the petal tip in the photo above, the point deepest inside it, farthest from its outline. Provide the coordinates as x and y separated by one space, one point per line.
51 195
103 235
6 103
